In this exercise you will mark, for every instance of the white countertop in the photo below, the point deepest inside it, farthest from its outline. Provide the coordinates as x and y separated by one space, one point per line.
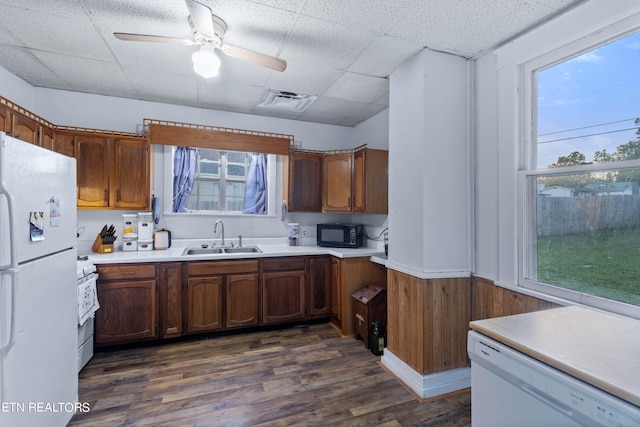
598 348
174 253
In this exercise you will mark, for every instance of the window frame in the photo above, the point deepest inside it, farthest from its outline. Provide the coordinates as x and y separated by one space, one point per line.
528 170
274 162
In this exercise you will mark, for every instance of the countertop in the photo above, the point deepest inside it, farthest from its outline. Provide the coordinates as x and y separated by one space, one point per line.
598 348
174 253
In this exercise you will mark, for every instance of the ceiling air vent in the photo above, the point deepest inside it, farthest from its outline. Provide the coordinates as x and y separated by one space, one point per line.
287 101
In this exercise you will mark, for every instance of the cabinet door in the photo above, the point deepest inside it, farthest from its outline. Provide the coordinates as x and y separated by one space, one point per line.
241 300
127 312
63 143
204 304
92 154
283 296
336 182
371 181
170 299
304 182
336 288
319 287
46 137
5 120
25 128
131 189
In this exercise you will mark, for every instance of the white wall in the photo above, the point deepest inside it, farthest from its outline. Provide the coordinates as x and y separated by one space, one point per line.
429 185
498 142
111 113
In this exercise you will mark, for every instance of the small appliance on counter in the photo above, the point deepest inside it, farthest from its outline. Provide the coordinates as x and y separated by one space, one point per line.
339 235
294 232
162 239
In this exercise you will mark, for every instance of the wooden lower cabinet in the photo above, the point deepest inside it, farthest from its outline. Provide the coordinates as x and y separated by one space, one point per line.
127 294
319 287
170 289
283 289
241 300
145 301
204 304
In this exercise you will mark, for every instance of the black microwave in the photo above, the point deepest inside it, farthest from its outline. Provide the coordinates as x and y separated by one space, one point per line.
338 235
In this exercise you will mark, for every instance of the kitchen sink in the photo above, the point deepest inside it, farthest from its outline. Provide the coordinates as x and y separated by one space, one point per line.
202 251
213 251
242 250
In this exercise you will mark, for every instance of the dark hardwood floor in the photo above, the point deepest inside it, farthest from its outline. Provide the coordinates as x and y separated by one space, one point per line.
300 376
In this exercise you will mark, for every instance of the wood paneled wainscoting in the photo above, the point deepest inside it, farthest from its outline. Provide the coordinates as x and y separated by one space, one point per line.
427 324
489 300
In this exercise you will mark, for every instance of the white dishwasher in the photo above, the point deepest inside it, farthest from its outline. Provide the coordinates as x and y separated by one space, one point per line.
511 389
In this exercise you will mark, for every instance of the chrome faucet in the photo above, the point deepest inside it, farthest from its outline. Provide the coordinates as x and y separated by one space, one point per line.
215 226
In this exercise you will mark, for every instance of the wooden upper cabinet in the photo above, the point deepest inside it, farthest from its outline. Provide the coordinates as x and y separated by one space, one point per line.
5 120
26 129
112 172
63 143
92 154
303 182
131 173
371 181
47 137
336 182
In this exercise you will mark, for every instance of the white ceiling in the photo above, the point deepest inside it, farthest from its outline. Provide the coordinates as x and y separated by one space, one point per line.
340 50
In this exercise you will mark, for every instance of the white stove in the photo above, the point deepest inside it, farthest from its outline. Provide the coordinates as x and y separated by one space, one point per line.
87 306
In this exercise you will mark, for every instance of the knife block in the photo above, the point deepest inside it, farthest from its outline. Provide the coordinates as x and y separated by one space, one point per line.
100 247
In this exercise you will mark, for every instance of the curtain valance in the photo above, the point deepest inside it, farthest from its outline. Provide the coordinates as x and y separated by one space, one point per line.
202 136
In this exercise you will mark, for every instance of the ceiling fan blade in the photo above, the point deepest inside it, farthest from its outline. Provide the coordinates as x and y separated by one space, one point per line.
255 57
154 39
201 17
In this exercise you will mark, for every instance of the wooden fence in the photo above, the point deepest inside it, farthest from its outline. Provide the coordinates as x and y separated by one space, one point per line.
558 216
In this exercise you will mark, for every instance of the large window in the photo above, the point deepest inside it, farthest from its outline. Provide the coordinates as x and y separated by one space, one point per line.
581 183
231 182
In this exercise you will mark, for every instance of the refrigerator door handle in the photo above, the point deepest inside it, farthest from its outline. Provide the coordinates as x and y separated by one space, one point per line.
8 319
13 251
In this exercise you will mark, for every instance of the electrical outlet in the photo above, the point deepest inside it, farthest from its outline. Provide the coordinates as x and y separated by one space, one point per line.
304 232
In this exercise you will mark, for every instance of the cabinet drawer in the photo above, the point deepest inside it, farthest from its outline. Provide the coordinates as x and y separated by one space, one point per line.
286 263
207 268
127 271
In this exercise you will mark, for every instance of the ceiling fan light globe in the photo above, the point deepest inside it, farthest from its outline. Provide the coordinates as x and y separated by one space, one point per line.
206 63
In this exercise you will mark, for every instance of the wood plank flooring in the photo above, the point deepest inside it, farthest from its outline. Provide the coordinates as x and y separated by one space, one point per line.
300 376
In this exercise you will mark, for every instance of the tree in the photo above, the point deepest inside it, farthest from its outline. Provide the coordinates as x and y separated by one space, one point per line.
573 159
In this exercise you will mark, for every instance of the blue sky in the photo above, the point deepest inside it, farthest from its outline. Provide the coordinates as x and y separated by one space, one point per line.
588 96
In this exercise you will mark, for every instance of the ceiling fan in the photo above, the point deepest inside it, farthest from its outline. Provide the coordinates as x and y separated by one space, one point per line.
208 31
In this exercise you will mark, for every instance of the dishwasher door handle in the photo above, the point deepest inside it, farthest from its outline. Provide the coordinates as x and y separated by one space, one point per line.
528 388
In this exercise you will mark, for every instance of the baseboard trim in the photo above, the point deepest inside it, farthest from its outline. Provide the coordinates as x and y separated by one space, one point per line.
426 386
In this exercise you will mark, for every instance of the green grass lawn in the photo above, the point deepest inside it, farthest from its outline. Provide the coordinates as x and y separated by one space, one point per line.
605 263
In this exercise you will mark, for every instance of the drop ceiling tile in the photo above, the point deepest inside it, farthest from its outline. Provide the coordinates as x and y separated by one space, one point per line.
62 8
239 72
383 56
155 56
367 111
290 5
313 41
86 75
21 62
217 93
358 88
331 110
373 15
71 33
303 79
524 17
158 83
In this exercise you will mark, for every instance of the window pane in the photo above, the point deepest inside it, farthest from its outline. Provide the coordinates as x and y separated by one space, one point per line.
235 196
588 229
210 168
235 170
587 107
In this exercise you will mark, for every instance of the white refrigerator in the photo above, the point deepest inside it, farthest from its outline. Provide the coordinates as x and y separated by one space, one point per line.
38 292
